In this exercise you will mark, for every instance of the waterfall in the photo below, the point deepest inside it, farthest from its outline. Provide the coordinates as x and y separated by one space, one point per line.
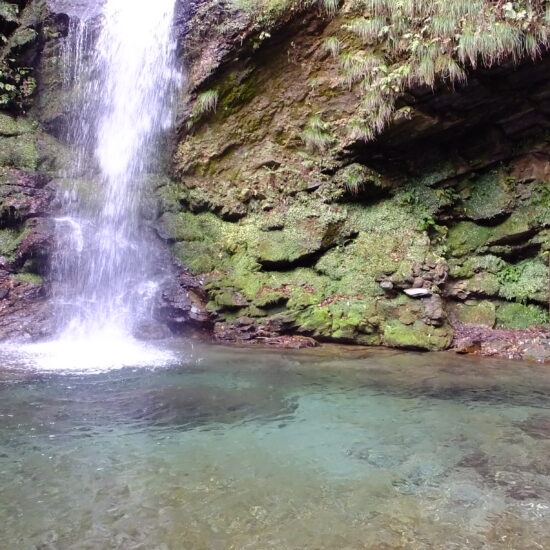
119 68
105 266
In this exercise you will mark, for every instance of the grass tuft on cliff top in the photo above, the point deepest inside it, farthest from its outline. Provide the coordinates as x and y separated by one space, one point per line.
385 47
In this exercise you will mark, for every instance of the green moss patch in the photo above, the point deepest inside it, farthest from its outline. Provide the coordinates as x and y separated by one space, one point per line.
473 312
417 336
487 196
466 237
519 316
29 278
19 152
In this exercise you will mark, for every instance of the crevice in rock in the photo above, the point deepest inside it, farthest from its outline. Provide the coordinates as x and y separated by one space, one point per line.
307 260
516 238
519 253
479 124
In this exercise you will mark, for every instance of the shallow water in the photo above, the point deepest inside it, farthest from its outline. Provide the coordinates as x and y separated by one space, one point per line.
254 449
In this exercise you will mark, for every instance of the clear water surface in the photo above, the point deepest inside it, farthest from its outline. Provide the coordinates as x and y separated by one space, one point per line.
254 449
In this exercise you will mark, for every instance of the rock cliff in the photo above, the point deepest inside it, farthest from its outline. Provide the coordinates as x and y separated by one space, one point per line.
330 183
30 159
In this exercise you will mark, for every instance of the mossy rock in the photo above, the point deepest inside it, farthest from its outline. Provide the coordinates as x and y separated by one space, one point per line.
465 268
473 312
343 319
356 179
268 296
539 202
237 89
388 243
169 197
519 224
185 226
29 278
230 299
9 241
287 246
483 284
466 237
198 257
22 37
417 336
9 12
519 316
487 197
301 239
12 126
19 152
53 157
437 174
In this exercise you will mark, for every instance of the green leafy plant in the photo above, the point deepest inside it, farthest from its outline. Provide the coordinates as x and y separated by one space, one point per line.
316 134
509 274
333 45
354 180
206 102
17 85
426 41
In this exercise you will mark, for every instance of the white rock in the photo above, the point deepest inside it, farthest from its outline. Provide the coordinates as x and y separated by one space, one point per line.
417 292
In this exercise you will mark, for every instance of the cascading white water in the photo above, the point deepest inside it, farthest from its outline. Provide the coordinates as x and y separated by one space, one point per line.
120 68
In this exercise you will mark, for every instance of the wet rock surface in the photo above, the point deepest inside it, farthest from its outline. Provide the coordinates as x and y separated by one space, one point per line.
29 159
531 345
25 312
440 222
183 304
247 331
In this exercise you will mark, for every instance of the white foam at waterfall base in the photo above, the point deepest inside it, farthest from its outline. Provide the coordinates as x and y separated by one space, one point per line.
107 349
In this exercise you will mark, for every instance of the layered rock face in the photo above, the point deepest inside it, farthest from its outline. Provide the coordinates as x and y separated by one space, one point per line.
300 227
30 159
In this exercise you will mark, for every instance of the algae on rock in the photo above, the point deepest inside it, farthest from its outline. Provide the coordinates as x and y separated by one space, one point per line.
341 167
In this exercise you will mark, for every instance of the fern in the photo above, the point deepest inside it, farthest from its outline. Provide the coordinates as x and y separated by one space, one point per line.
532 44
330 6
360 130
356 66
206 102
458 9
369 30
426 70
442 25
449 69
332 45
354 179
316 134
